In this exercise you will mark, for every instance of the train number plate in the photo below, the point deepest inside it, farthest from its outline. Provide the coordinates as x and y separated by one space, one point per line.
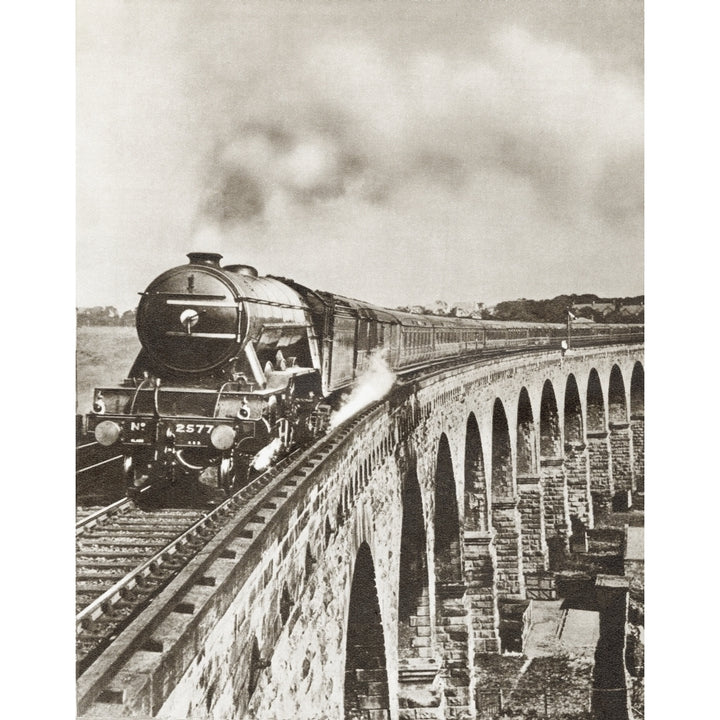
193 428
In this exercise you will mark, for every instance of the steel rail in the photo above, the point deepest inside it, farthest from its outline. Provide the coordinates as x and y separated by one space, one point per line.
87 445
111 509
91 519
97 465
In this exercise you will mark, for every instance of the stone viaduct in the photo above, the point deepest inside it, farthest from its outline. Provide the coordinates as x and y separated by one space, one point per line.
384 584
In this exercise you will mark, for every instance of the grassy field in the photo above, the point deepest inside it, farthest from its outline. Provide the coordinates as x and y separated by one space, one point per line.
104 356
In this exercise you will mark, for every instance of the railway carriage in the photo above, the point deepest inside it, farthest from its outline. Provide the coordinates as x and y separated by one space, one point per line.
235 368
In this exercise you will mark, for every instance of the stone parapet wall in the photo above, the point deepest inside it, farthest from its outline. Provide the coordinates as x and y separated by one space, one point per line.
305 650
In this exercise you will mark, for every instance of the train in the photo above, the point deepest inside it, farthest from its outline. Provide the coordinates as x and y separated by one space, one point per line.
236 369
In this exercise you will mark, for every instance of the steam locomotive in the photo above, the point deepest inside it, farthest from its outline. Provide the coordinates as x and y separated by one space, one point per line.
236 368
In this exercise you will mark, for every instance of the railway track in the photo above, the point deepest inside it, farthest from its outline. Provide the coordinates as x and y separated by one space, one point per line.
118 612
126 554
123 553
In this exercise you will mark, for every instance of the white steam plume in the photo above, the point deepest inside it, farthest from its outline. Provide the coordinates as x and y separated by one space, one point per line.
263 459
372 385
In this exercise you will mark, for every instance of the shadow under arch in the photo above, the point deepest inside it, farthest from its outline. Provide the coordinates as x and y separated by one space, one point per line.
476 501
595 404
504 508
637 391
637 424
527 450
617 405
576 466
366 694
620 442
447 524
550 436
413 590
573 421
501 473
598 446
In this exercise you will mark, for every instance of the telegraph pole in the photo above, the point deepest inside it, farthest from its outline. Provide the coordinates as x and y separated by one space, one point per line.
568 316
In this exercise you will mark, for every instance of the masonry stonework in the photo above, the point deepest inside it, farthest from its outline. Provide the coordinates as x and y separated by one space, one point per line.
622 461
577 472
532 517
601 480
637 429
555 502
454 640
509 574
480 564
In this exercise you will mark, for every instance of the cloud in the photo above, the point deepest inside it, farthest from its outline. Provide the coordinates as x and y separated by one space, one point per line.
365 123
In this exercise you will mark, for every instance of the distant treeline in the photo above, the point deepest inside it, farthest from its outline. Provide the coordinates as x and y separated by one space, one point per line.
104 315
587 306
590 307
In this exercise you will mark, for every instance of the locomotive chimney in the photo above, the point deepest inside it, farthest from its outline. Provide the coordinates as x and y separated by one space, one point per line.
203 258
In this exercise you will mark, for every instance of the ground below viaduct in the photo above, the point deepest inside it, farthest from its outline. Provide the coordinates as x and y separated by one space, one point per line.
398 569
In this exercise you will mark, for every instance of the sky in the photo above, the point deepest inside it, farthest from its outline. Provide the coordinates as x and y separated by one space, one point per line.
396 152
